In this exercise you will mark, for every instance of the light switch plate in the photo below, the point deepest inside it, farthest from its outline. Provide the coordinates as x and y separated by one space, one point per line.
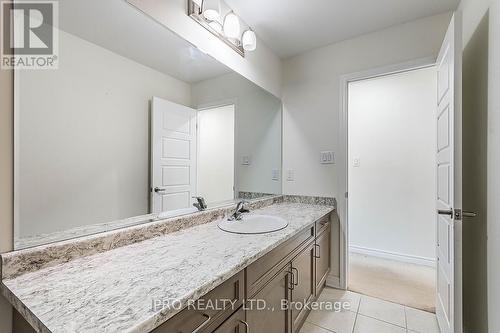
356 162
327 157
245 160
276 174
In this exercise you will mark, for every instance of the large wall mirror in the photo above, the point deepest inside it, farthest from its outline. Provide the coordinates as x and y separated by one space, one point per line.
131 129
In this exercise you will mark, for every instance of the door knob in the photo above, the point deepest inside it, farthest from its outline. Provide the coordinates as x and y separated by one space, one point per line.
445 212
469 214
159 190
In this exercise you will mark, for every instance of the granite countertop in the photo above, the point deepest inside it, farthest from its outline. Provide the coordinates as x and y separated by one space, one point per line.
114 291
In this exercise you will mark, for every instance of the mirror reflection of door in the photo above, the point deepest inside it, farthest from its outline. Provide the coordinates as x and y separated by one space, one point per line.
215 181
173 156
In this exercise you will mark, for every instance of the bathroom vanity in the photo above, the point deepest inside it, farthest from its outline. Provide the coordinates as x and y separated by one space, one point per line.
142 279
295 271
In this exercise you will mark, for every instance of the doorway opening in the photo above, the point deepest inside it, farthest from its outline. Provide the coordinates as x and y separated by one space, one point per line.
215 172
391 139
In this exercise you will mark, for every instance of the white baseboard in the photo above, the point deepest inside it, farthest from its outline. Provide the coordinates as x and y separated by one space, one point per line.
393 256
333 281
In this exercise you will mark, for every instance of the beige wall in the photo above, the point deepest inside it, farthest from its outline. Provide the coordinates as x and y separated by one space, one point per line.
475 113
311 101
257 132
391 122
6 179
481 34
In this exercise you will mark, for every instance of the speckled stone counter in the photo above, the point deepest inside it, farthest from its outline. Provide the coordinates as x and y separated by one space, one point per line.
114 290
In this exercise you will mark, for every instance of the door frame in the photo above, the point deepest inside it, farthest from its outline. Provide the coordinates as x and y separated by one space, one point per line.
343 167
217 104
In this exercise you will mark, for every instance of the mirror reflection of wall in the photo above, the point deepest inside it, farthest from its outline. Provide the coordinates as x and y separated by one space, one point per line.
216 153
85 133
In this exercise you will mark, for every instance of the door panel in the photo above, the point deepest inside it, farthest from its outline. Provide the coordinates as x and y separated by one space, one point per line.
173 155
272 318
323 256
304 284
449 182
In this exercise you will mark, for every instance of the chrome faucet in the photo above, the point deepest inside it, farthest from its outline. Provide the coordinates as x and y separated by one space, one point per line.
240 209
200 204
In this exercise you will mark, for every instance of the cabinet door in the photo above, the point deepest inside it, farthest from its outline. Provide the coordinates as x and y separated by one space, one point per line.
322 253
234 324
303 290
273 318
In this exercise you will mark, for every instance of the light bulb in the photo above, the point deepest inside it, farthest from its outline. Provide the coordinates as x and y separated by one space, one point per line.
211 9
216 26
232 26
249 40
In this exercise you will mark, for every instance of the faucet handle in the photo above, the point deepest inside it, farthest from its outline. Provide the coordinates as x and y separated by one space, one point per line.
242 206
201 204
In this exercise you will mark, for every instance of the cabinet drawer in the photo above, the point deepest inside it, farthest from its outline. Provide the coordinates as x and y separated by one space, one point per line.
322 224
196 318
234 324
261 271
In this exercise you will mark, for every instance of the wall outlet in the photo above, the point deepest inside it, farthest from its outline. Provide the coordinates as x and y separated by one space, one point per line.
245 160
275 174
327 157
290 175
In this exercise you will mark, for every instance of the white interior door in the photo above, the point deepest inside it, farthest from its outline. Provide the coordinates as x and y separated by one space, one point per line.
449 181
173 156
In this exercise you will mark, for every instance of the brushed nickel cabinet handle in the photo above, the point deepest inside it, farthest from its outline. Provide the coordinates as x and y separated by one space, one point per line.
316 255
246 325
295 283
202 325
292 283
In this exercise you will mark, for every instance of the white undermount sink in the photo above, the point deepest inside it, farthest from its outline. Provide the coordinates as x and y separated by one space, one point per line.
253 224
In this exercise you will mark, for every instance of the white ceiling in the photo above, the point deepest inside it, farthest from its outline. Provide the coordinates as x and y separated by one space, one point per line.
121 28
290 27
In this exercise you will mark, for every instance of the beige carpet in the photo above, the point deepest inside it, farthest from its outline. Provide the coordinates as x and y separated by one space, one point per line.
398 282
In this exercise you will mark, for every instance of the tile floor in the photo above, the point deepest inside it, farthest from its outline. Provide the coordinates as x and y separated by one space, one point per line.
368 315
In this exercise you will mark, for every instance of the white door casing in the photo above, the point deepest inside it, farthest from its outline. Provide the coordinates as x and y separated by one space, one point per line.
449 182
173 156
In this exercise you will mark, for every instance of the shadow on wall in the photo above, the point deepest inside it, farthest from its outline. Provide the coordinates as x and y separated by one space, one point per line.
475 130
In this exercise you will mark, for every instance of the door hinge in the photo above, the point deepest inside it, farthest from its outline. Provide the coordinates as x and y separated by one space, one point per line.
346 194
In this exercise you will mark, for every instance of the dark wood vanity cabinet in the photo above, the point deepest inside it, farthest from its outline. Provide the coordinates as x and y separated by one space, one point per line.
304 284
295 271
236 323
272 318
197 319
322 255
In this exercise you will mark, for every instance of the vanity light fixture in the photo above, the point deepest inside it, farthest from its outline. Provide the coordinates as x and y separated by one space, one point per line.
220 20
232 26
211 9
249 40
216 26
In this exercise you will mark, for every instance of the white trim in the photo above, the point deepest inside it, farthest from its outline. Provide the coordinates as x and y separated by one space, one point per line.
411 259
342 152
333 281
17 136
